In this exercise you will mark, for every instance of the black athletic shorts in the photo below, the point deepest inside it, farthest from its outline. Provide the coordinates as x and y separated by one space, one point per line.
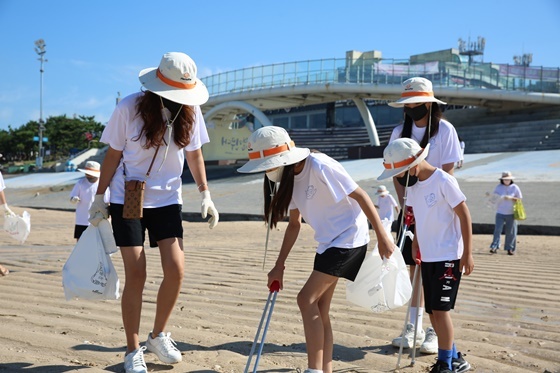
341 262
161 223
441 284
407 247
78 230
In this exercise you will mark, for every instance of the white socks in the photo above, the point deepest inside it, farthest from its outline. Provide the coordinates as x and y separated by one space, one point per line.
416 311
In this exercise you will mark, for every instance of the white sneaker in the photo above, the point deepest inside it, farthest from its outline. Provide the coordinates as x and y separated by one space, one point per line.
430 345
409 336
164 347
134 361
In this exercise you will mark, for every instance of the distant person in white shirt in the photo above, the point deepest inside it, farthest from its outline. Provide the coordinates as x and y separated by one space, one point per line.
386 204
462 144
83 195
7 212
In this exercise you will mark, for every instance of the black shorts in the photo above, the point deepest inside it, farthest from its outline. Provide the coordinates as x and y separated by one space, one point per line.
340 262
161 223
441 284
78 230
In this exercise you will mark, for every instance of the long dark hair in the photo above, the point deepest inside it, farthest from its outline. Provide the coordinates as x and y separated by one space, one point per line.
436 115
277 206
148 107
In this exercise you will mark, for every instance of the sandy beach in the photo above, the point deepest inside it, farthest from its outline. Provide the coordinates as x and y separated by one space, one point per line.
507 317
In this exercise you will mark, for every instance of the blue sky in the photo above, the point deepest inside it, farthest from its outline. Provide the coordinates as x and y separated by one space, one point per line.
96 48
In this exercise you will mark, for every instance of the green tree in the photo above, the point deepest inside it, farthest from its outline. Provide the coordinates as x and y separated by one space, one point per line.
64 136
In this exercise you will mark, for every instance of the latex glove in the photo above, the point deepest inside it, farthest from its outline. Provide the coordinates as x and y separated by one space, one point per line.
98 210
4 207
209 208
75 199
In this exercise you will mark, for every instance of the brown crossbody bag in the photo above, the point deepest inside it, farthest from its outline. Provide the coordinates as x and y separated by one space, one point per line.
134 194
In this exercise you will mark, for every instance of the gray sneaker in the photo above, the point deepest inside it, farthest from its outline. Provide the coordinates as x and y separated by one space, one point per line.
430 345
134 361
164 347
409 337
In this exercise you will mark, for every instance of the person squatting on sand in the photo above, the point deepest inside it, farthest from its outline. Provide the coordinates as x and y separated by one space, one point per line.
443 238
159 127
423 122
316 187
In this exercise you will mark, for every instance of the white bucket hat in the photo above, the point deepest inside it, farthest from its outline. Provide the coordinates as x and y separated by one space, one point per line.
401 155
506 175
270 147
92 169
416 90
175 79
382 191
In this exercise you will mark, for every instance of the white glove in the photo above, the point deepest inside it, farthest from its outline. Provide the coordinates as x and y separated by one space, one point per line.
4 207
98 210
209 208
75 199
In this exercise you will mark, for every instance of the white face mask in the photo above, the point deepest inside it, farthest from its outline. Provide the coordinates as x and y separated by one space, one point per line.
275 175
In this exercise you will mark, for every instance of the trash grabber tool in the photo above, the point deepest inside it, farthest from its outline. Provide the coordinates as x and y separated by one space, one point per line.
267 314
406 320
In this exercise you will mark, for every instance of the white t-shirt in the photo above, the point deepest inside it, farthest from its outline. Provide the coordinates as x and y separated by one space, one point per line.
438 228
2 184
505 206
462 144
85 190
321 195
444 146
386 206
163 187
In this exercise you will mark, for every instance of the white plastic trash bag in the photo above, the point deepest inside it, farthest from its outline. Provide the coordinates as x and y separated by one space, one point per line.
381 284
18 227
89 272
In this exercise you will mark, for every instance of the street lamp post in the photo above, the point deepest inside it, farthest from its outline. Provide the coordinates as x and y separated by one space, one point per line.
40 49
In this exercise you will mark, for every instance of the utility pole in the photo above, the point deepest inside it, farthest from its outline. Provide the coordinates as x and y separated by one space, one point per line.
40 50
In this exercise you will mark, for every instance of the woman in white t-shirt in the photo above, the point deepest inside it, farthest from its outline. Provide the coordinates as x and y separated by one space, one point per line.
508 192
149 135
424 123
314 187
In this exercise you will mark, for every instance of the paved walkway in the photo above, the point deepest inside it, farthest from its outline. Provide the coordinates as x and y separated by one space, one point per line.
239 196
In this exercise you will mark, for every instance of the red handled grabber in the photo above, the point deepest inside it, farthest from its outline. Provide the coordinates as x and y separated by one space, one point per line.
267 314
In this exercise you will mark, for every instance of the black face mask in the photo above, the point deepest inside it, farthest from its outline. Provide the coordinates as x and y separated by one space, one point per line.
172 106
411 180
417 112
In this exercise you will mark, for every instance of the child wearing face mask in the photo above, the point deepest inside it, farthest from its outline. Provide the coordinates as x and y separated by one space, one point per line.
444 238
315 187
83 194
509 193
424 123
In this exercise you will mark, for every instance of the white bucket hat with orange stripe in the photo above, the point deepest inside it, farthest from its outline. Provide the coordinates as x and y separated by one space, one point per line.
271 147
401 155
416 90
92 169
175 79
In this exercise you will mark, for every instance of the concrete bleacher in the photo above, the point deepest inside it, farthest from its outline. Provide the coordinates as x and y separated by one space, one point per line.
510 136
336 141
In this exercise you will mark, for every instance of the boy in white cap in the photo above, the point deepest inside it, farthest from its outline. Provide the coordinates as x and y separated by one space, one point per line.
444 238
386 204
83 195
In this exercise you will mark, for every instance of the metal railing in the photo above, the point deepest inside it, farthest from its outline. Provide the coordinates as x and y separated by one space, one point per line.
385 71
